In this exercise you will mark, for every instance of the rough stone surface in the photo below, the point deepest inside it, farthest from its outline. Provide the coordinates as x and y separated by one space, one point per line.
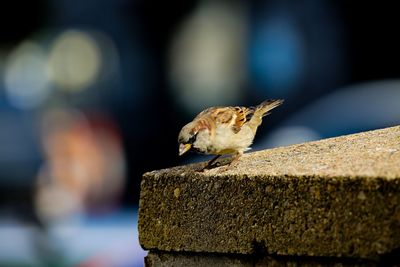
166 259
335 197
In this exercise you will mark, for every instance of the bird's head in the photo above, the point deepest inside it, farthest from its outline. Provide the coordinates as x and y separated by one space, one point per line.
186 138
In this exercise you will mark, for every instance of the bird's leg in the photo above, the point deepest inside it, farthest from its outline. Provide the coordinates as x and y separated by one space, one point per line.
211 162
236 158
234 161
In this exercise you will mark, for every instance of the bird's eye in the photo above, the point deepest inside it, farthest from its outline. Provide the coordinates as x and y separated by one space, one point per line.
192 139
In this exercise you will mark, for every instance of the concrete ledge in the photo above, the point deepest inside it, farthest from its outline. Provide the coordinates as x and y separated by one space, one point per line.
161 259
335 197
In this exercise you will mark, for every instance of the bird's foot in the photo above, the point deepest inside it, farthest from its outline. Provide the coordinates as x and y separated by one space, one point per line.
231 164
211 164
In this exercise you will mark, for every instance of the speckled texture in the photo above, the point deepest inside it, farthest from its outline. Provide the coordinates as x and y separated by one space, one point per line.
167 259
334 197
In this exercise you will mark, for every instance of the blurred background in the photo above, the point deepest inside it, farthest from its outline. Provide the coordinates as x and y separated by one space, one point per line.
93 94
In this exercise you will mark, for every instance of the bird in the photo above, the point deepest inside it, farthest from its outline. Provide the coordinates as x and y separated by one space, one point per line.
224 130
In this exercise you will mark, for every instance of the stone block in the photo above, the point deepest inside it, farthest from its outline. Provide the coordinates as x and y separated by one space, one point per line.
338 197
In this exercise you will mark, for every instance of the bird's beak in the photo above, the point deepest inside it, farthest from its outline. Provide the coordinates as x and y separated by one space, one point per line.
183 148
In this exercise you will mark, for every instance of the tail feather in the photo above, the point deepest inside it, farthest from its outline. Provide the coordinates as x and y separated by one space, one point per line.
268 105
262 110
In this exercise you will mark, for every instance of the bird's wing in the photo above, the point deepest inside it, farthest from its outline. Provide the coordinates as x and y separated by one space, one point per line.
243 115
234 117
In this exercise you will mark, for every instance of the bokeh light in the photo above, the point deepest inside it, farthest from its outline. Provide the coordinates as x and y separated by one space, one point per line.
26 78
75 60
84 168
277 55
376 102
207 57
289 135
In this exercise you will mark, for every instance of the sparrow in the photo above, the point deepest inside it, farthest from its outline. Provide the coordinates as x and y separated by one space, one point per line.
224 130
